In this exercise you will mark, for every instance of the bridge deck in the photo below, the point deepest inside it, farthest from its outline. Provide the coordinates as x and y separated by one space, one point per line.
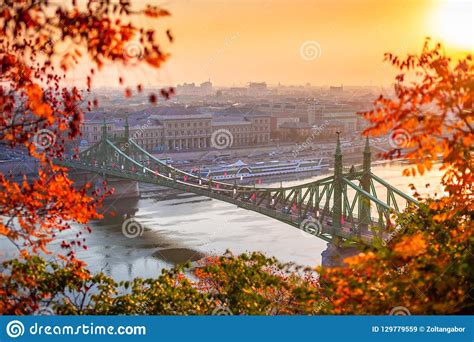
322 208
252 199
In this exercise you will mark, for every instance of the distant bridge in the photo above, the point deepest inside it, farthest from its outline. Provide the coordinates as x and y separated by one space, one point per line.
341 207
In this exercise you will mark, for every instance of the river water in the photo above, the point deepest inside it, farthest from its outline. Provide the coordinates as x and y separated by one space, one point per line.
186 227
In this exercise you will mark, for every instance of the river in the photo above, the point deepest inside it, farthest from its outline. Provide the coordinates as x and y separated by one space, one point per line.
186 227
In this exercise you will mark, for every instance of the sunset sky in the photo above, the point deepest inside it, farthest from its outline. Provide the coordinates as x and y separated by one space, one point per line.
233 42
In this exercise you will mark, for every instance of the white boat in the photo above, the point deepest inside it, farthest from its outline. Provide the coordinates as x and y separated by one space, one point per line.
241 170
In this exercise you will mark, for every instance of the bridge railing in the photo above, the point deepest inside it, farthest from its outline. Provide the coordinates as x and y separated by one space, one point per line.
205 180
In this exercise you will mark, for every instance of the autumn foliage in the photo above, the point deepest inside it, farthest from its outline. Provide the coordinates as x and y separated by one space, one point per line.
426 267
430 118
40 114
229 285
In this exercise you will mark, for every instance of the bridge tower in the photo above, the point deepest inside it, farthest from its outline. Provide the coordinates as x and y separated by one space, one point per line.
127 129
123 188
104 130
338 188
102 157
122 142
364 202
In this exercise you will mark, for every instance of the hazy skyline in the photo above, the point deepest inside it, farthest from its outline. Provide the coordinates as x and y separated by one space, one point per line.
235 42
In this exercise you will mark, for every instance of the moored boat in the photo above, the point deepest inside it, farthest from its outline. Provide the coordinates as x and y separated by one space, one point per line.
241 170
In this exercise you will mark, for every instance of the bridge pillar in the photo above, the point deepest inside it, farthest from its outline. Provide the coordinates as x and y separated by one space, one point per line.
123 188
334 255
337 191
364 202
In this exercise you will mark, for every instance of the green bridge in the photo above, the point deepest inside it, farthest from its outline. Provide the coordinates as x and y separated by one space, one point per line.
341 207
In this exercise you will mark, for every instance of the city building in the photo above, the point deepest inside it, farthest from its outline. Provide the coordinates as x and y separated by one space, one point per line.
91 131
206 88
181 128
253 125
294 131
239 128
336 90
257 89
185 131
186 89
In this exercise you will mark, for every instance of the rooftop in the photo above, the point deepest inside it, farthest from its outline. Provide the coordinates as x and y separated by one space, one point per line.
180 117
242 111
225 120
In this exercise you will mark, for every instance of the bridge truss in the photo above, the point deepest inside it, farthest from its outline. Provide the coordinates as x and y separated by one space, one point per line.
341 207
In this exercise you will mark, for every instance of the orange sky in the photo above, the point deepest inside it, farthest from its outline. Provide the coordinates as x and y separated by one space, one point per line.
232 42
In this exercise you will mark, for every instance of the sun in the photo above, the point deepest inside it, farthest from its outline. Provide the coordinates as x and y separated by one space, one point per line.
453 23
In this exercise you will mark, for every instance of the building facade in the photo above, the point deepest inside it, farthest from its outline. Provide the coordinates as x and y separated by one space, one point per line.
240 130
184 130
